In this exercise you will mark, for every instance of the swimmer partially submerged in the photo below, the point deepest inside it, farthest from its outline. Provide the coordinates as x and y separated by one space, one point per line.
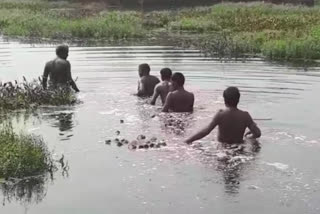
163 88
231 121
59 70
147 82
179 100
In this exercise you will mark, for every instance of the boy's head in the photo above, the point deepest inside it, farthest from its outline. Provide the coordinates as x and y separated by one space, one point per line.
144 69
231 96
62 51
177 80
166 74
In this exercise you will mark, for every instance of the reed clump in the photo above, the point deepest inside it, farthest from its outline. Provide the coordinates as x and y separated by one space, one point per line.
23 155
26 95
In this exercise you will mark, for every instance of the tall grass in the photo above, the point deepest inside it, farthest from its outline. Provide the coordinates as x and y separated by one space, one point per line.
22 155
26 95
274 31
38 20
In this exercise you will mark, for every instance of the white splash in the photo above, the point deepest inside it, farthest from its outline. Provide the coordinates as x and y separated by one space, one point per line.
279 166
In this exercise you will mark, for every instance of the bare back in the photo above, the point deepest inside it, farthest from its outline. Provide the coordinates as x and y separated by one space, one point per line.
163 89
147 84
232 124
179 101
58 71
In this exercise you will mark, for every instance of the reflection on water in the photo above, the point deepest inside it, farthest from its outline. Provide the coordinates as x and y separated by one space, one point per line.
26 191
189 179
32 190
63 121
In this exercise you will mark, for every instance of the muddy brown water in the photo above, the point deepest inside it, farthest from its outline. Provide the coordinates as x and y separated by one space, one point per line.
283 177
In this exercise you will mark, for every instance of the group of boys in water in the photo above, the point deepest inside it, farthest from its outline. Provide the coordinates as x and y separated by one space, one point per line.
231 121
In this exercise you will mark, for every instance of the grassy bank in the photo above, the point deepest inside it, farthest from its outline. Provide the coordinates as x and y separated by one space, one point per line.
22 155
26 95
226 30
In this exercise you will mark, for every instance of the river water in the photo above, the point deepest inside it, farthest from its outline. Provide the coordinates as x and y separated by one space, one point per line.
283 177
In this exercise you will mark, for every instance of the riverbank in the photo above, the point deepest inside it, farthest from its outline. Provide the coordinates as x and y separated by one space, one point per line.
224 30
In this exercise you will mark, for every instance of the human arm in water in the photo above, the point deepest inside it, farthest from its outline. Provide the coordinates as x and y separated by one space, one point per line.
156 94
192 103
70 80
168 104
254 131
45 76
205 131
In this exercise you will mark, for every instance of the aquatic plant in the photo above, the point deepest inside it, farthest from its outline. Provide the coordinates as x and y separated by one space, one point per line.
307 48
22 155
27 95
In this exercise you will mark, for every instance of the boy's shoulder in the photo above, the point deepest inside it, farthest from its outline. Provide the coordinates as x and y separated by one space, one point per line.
154 78
227 111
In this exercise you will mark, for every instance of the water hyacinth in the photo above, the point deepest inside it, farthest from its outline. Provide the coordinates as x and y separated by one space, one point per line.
27 95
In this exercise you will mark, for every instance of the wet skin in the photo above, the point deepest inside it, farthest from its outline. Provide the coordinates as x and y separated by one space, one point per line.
162 89
179 100
232 124
59 73
146 85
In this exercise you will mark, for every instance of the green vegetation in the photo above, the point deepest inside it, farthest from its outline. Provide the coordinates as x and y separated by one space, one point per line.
38 20
225 30
22 155
28 95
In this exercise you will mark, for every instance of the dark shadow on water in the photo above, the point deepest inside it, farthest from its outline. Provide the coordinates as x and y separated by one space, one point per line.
31 190
63 121
27 191
232 170
231 161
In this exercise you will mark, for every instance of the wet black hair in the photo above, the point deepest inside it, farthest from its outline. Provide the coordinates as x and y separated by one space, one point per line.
145 68
231 96
178 78
62 49
166 73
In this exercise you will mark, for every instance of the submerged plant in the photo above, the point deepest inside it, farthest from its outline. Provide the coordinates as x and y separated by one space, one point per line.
31 94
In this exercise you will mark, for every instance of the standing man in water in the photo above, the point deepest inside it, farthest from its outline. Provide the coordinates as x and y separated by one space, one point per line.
164 87
231 121
147 82
179 100
59 70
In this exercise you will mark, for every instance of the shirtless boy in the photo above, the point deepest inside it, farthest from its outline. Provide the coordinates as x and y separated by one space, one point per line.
179 100
59 70
231 121
162 88
147 82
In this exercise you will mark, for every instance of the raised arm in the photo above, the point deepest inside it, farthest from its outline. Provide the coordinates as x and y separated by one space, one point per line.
254 131
70 80
205 131
156 94
45 75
